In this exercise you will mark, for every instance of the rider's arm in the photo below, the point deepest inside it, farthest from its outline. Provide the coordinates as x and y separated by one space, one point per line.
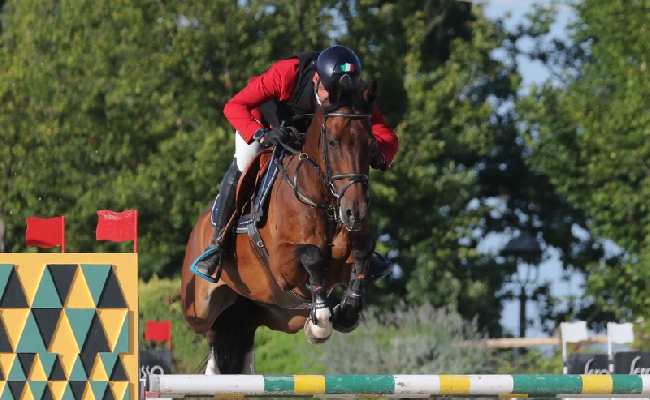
278 82
387 142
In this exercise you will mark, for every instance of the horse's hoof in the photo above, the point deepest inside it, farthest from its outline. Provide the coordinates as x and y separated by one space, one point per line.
339 323
311 329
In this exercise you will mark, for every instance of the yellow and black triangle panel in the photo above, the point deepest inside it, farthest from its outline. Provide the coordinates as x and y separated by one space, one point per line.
96 276
57 372
17 389
115 322
30 340
120 390
37 388
78 371
62 276
109 360
46 295
68 362
96 341
6 363
119 372
112 295
17 373
80 320
46 320
14 321
37 371
79 296
30 276
127 278
60 390
46 361
5 345
63 340
98 372
78 389
7 273
13 295
99 389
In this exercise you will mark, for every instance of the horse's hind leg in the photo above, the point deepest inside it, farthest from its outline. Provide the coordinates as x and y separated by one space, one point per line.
346 314
318 326
211 367
233 337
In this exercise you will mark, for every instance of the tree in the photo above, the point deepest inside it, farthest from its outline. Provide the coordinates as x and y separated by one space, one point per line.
122 110
588 131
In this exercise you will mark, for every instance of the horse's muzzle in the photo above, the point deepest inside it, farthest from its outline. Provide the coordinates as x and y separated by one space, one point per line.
353 217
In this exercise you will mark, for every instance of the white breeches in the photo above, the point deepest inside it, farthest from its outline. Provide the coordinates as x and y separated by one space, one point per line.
244 152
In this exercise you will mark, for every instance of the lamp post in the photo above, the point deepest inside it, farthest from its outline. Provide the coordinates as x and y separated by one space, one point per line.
525 248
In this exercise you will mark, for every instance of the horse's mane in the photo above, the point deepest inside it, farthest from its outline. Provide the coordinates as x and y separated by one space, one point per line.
351 99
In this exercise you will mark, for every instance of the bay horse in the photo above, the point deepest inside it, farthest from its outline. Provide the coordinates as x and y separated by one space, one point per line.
313 236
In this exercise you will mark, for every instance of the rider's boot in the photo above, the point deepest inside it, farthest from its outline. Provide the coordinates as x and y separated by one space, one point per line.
211 257
379 268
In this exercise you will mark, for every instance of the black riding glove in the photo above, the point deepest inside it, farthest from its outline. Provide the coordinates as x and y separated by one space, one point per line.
377 160
275 136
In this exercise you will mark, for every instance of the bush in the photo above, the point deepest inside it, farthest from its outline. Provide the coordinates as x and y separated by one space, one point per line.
409 340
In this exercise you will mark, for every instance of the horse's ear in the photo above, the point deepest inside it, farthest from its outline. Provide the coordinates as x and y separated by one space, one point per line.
371 93
334 91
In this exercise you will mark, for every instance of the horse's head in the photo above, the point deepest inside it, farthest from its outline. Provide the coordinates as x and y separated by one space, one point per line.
339 140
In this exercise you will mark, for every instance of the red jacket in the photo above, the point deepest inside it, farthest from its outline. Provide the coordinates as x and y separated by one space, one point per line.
279 83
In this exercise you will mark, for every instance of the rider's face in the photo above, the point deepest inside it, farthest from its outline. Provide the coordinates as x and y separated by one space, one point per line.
322 93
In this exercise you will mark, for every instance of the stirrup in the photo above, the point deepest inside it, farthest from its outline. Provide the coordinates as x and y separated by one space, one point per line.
379 267
210 253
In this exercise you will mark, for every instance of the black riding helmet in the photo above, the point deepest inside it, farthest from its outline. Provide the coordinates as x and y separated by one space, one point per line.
335 62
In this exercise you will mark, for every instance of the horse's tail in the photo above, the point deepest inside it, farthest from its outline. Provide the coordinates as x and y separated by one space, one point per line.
234 335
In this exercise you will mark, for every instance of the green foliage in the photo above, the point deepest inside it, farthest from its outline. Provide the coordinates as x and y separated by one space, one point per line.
160 301
121 110
588 128
410 340
279 353
532 361
118 106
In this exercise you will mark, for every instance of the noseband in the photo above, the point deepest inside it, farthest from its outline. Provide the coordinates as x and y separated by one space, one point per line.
331 210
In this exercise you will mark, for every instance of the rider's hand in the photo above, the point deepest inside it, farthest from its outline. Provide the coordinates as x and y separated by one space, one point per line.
377 160
275 136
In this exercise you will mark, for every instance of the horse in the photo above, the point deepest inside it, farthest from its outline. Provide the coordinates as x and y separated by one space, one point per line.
313 236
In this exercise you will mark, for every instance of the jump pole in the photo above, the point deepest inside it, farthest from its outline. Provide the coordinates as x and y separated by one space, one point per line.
396 386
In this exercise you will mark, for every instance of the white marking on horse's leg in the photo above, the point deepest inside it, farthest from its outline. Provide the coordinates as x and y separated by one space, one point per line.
320 332
211 368
248 364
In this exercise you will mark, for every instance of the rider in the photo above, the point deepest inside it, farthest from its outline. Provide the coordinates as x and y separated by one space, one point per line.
291 87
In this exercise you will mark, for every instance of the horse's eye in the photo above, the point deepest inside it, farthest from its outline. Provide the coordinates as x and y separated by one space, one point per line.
331 143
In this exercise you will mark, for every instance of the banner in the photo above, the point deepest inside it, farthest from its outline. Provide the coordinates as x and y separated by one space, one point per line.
157 362
593 364
632 362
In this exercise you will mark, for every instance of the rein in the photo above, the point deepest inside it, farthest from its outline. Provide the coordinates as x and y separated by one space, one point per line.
328 179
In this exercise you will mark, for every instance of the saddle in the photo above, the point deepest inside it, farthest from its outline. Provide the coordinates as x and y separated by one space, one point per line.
253 191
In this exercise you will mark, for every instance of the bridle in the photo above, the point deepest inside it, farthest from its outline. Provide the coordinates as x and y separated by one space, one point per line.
328 179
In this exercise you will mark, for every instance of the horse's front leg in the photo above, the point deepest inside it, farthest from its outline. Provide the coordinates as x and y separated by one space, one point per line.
318 326
346 314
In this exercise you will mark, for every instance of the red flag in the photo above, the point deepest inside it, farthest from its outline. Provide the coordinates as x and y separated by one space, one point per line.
118 227
45 232
159 332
